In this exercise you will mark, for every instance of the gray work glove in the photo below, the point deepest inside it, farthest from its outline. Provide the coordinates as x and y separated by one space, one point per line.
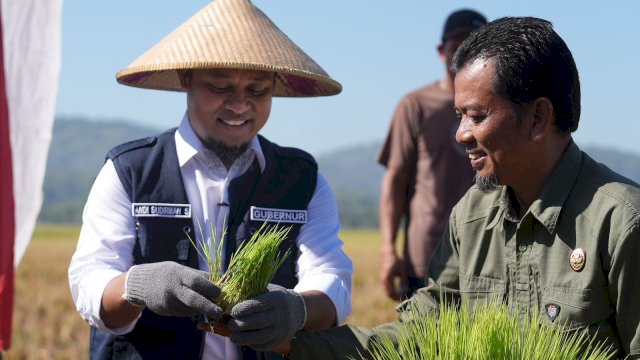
269 319
170 289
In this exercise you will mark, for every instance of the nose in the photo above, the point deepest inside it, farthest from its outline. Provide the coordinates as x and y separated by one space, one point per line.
237 102
463 133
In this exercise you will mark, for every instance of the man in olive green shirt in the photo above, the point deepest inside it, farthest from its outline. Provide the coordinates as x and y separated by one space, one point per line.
545 227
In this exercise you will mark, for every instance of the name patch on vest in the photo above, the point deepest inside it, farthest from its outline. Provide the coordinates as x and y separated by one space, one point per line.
161 210
279 215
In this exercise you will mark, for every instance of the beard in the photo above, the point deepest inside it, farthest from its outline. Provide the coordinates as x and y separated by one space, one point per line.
227 153
487 183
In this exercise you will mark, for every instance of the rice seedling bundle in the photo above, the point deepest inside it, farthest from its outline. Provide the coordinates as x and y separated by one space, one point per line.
250 268
492 332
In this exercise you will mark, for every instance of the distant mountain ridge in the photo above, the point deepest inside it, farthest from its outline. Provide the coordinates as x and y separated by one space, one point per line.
77 152
79 146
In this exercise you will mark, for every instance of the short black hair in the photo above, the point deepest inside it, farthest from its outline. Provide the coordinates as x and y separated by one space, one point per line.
531 61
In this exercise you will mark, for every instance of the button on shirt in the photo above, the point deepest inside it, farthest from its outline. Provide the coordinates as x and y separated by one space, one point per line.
108 234
489 252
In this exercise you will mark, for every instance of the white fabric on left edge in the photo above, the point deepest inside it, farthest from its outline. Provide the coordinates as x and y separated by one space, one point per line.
32 60
31 32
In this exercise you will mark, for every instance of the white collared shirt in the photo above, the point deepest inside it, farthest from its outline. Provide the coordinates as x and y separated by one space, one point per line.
108 233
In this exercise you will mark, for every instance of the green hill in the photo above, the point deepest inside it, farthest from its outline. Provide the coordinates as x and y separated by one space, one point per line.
354 176
77 152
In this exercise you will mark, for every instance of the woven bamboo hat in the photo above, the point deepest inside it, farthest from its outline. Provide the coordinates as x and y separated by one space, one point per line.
231 34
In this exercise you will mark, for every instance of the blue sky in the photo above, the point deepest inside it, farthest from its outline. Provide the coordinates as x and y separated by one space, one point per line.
377 49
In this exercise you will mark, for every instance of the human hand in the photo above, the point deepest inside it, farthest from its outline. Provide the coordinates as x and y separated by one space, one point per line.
269 320
391 273
170 289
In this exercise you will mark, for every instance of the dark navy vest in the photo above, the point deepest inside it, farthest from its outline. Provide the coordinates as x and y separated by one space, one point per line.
150 173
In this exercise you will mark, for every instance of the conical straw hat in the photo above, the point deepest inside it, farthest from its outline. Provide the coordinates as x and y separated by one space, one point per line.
231 34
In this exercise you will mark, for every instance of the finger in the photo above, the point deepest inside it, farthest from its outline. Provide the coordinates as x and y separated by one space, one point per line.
249 307
254 321
213 311
256 337
201 284
272 287
180 311
200 305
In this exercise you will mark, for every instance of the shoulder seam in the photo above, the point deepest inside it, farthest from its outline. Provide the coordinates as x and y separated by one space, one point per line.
136 144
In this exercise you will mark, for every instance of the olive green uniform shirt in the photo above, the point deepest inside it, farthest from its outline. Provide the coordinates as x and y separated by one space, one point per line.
488 251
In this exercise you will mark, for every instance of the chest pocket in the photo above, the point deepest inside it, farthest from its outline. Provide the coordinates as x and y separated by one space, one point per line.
581 309
478 290
577 307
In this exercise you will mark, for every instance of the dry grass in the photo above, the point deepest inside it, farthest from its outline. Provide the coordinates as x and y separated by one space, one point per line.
45 322
370 305
47 326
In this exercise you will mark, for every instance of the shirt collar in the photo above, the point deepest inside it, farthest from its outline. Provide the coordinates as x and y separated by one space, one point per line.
189 145
546 209
556 191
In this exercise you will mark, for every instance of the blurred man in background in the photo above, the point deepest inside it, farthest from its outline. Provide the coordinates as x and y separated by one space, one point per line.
427 171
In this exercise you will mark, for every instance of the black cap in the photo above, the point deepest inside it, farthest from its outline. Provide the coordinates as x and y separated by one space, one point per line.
462 21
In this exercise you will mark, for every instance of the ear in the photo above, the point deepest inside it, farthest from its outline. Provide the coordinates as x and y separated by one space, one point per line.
441 53
542 118
185 78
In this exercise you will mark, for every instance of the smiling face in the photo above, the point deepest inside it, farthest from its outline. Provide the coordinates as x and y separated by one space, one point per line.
491 129
227 107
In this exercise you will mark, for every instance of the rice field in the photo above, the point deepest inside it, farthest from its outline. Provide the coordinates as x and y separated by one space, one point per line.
47 326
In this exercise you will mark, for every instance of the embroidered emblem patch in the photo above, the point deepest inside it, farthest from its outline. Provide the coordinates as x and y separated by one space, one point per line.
161 210
578 259
278 215
552 310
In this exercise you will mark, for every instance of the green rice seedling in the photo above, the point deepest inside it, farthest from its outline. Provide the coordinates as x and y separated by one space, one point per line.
211 254
253 266
488 331
250 268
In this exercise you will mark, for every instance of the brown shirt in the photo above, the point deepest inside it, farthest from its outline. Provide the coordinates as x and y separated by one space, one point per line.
421 141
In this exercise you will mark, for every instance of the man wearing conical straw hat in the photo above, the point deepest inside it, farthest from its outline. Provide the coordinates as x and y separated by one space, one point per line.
135 278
